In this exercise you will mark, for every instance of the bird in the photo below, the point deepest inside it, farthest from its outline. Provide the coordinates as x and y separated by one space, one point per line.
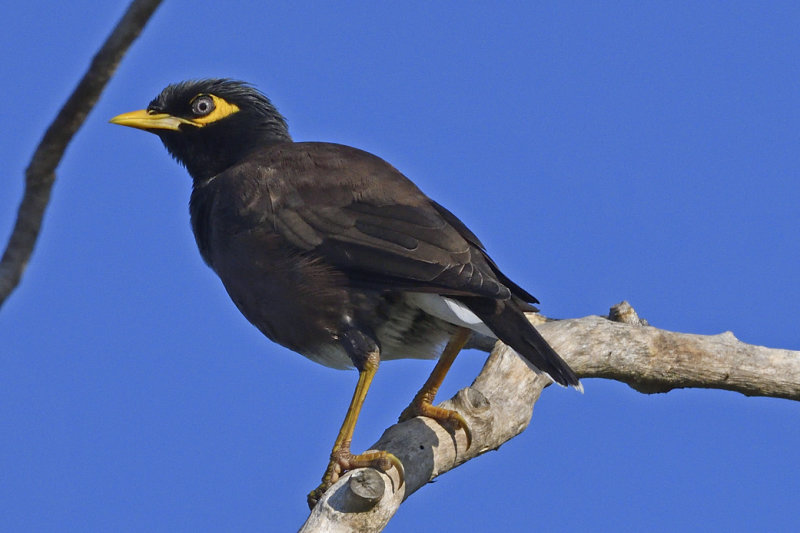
333 253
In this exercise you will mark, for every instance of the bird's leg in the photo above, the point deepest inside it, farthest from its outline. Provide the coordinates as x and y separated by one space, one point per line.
422 404
341 458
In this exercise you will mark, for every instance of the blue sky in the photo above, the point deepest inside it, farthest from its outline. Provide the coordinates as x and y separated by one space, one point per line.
633 150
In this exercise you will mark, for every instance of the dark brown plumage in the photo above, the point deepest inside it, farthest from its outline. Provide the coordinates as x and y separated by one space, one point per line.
329 250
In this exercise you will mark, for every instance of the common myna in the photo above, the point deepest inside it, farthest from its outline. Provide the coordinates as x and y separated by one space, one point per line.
333 253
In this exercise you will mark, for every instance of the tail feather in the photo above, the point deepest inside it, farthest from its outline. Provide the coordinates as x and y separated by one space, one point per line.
509 323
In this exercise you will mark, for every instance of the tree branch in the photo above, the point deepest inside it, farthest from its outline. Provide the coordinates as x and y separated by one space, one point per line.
40 174
653 360
499 404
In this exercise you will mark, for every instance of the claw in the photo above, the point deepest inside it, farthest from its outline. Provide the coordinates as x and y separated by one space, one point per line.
446 417
343 461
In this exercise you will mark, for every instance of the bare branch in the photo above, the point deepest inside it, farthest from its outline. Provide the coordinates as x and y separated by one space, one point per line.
499 404
40 174
653 360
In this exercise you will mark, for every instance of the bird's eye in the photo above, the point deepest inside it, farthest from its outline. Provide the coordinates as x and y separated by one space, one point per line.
202 105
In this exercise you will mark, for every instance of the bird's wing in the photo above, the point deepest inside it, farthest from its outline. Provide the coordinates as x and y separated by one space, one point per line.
358 213
392 246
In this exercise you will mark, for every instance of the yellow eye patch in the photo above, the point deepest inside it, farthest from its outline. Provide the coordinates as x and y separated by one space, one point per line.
222 109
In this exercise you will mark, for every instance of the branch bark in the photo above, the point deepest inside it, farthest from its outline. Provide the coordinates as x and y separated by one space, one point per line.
499 404
40 174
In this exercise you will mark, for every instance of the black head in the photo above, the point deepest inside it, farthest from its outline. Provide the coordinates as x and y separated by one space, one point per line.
209 125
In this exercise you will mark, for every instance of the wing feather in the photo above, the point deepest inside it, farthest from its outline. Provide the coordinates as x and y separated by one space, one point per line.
359 214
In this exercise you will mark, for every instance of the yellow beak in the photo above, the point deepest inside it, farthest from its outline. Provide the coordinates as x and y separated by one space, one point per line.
144 120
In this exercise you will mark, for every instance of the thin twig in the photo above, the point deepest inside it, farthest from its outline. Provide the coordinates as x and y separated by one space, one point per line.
40 174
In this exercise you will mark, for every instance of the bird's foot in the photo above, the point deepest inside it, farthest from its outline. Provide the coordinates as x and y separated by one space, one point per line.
450 419
343 461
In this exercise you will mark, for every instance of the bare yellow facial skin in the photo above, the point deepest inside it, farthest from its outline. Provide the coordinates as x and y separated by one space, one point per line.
145 120
222 109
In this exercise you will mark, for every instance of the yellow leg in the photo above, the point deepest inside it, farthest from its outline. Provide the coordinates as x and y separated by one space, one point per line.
341 458
422 404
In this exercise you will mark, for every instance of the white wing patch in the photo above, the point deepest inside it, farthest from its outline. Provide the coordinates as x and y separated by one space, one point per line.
449 310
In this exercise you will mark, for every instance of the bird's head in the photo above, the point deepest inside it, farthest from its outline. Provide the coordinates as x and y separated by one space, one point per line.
208 125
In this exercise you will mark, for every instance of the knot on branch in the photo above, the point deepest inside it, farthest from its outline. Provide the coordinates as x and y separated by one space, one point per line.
624 312
366 488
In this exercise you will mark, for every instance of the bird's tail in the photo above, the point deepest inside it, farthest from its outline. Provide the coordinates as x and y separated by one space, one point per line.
511 326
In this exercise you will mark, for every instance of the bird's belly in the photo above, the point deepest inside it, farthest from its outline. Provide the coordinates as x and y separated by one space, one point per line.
330 355
302 308
407 331
418 330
